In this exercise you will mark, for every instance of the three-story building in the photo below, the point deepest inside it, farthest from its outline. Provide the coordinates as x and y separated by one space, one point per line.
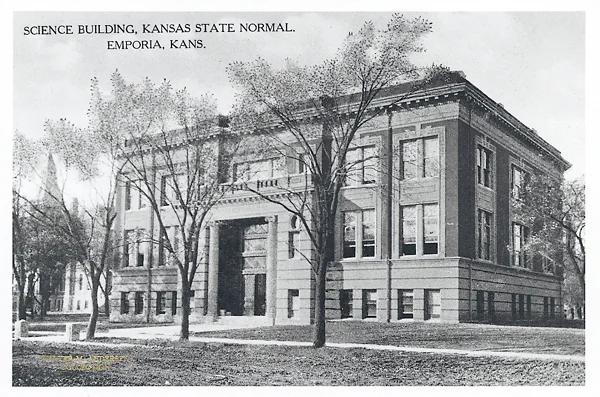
457 247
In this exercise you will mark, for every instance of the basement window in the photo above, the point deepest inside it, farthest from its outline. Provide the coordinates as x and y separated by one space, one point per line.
405 303
124 302
369 303
346 303
293 303
139 302
161 302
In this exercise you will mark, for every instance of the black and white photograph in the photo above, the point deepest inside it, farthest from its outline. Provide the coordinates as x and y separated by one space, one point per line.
340 198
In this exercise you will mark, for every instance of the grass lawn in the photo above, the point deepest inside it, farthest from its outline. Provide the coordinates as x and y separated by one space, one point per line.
217 364
50 322
431 335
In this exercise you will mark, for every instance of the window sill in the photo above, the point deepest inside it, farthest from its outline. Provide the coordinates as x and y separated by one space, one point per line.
420 179
360 259
134 268
426 256
486 187
369 185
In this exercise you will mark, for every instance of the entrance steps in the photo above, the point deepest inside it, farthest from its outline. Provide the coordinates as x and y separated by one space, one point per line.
244 321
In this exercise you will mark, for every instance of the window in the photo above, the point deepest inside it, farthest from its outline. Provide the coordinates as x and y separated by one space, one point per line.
420 158
480 306
165 257
430 229
161 302
368 234
547 264
361 166
433 304
139 302
352 220
484 222
133 249
258 170
431 156
142 200
405 303
518 182
409 160
484 166
369 303
529 306
409 230
85 304
174 302
491 306
545 307
293 243
427 242
520 238
80 282
521 306
293 236
349 235
171 186
346 303
302 166
126 248
127 195
192 299
293 302
163 190
552 308
162 252
513 306
134 198
78 305
140 254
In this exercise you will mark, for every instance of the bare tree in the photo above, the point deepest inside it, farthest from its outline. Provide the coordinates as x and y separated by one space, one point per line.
25 154
311 115
90 154
176 158
556 211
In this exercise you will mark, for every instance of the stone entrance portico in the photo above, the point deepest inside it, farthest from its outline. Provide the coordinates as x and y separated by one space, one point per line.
242 268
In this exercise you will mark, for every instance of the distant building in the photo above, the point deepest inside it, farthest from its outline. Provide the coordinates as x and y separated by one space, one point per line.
72 293
457 246
75 295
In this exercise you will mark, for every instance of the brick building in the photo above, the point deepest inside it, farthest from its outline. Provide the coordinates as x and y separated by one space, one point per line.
456 246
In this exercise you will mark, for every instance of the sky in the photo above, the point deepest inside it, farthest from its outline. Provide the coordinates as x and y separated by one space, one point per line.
531 62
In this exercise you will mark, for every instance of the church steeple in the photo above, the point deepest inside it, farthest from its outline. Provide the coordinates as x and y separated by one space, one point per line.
50 192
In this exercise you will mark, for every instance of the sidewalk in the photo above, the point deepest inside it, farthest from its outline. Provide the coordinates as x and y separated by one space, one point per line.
172 333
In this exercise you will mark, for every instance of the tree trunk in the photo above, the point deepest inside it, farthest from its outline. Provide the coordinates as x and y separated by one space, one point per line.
91 330
184 333
43 302
107 289
21 302
319 331
581 278
106 305
30 294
